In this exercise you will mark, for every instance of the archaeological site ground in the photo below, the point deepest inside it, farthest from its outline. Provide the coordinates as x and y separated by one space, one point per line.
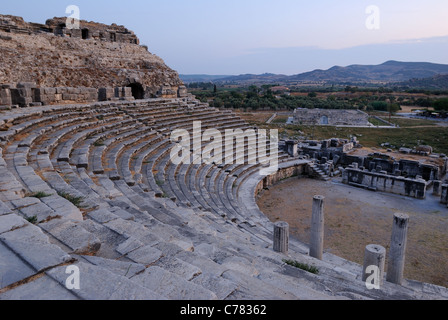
92 207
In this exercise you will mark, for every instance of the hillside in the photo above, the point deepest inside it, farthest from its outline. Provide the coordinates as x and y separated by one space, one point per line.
438 82
390 71
51 55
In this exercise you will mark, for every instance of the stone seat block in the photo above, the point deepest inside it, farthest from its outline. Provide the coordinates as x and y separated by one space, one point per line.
73 235
34 247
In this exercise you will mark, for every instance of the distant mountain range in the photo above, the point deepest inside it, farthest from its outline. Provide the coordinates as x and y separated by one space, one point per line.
438 82
390 71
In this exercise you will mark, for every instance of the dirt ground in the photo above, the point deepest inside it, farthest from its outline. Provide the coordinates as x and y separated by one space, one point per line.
355 218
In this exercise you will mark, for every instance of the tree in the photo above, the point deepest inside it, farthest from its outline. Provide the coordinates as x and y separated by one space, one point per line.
392 108
441 104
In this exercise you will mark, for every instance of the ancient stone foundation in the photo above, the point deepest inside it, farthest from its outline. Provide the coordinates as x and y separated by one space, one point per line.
381 181
29 95
331 117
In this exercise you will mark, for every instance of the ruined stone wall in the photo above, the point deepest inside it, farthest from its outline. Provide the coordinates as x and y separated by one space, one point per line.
34 53
330 117
93 30
381 181
281 174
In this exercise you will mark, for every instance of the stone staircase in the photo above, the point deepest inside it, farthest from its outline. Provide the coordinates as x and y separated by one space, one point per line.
318 172
91 188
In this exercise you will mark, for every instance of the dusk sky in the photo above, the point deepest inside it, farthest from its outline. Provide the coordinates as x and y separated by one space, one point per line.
258 36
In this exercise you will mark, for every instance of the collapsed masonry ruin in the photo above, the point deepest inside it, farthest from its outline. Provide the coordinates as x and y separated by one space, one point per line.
29 95
376 171
304 116
53 64
58 27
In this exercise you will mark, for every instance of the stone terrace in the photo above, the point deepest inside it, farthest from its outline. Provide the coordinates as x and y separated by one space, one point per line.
140 227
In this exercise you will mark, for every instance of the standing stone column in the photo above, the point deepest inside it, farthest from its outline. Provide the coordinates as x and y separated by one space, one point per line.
317 228
375 255
395 267
437 188
281 237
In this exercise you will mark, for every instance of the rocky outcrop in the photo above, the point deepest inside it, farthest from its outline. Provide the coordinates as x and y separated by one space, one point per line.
94 56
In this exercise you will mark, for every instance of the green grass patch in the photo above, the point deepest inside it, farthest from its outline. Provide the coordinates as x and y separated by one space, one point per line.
98 143
302 266
406 122
32 220
39 195
377 122
409 137
77 201
280 119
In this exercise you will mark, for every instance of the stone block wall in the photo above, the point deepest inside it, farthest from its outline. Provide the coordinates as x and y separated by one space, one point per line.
330 117
381 181
281 174
5 96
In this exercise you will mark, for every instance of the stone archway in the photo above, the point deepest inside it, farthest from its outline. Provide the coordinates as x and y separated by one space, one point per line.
137 90
85 34
324 120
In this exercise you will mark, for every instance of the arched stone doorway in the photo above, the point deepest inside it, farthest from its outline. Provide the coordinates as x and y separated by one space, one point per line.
324 120
85 34
137 90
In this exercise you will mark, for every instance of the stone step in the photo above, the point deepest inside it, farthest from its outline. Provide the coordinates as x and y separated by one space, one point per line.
172 286
33 246
97 283
73 235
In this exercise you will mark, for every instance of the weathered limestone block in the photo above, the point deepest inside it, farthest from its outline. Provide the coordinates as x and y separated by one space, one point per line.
99 283
5 97
292 148
11 222
44 95
167 92
34 247
124 93
172 286
105 94
21 96
73 235
182 92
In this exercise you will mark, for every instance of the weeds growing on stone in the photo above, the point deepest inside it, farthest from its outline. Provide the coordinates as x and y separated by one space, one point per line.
39 195
303 266
74 200
32 220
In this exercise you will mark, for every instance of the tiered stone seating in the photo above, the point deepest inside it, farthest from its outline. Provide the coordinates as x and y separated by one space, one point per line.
92 186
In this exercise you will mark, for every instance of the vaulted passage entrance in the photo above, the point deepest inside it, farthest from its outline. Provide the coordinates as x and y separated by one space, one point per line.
137 90
324 120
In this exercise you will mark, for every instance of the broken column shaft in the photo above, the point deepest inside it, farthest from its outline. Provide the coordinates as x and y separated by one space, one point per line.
317 228
281 237
395 267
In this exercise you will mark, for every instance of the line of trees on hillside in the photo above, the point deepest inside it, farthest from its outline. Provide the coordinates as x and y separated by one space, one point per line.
262 98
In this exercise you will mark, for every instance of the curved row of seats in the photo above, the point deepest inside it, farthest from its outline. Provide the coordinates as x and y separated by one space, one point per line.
94 186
